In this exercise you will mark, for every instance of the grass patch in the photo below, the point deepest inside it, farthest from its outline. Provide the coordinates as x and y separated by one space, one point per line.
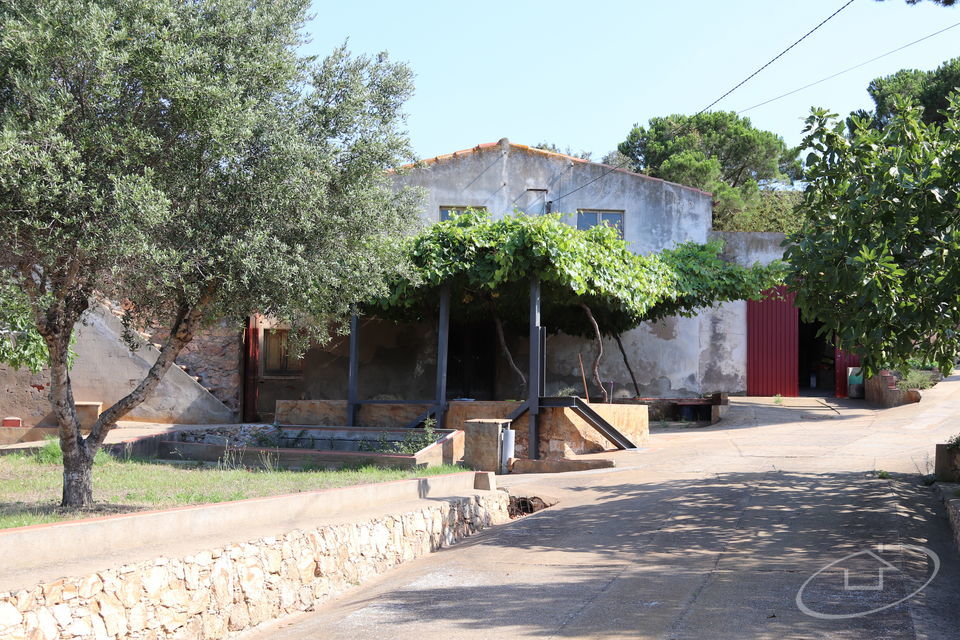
30 486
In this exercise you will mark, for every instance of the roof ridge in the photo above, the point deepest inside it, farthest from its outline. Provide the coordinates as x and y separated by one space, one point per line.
505 142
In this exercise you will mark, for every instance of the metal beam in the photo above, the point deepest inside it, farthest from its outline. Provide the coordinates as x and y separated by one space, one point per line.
543 360
353 376
534 375
443 344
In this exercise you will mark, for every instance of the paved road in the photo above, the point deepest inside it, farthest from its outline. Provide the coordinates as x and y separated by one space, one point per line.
708 533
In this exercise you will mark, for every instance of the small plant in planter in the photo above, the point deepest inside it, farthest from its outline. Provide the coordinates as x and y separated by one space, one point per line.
915 379
947 462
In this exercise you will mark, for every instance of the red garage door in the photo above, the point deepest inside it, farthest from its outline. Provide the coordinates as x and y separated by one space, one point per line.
773 347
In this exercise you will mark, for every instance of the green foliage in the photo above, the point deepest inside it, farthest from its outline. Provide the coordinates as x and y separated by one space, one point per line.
929 89
876 258
186 158
914 379
171 153
954 442
414 440
719 152
771 210
20 345
488 264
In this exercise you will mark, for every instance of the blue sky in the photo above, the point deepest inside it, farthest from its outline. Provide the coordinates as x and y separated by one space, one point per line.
580 74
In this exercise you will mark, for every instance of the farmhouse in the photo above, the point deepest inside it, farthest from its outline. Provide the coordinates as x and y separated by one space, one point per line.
232 373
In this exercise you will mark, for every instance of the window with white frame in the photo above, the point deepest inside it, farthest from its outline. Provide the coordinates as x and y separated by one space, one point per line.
587 218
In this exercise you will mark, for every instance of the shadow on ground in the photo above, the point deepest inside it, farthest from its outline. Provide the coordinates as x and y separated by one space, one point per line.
722 557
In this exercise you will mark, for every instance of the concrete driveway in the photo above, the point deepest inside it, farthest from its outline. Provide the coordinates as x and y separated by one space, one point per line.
707 533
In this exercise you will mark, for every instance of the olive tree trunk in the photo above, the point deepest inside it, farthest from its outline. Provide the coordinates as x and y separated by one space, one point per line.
56 327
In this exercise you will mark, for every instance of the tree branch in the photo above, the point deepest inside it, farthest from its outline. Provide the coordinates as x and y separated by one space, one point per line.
503 345
596 361
187 321
626 362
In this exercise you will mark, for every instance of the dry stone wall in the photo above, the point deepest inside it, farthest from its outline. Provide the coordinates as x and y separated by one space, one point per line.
214 593
212 357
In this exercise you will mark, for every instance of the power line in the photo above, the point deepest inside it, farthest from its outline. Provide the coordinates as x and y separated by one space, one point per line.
777 57
737 86
856 66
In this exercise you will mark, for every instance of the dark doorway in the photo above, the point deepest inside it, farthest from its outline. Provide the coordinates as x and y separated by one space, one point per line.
471 370
816 361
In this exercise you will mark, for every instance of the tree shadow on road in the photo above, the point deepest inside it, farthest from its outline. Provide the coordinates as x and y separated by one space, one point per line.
707 558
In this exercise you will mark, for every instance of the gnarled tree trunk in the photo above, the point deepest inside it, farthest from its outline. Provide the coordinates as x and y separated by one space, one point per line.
506 350
596 361
626 362
56 327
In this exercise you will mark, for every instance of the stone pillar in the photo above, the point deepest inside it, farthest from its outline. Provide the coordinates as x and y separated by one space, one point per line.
481 446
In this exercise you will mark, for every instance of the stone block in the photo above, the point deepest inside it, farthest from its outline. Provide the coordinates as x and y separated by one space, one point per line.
485 481
481 447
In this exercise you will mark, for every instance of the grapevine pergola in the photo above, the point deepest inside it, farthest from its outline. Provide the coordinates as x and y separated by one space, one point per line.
540 272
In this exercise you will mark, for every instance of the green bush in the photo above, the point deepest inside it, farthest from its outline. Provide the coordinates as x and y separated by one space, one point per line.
914 379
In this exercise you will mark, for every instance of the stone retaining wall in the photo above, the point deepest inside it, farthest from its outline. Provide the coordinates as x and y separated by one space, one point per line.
213 593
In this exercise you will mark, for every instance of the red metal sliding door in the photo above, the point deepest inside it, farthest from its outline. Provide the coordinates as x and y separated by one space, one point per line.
773 347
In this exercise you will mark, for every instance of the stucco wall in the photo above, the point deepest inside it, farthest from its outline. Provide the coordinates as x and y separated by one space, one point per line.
104 371
723 328
500 177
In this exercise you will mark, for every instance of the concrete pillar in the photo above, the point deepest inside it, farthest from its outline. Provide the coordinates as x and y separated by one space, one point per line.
481 445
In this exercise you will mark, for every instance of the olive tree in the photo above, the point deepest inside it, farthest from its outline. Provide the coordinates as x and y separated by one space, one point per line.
183 158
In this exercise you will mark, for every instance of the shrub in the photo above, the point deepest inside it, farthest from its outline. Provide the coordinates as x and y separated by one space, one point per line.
914 379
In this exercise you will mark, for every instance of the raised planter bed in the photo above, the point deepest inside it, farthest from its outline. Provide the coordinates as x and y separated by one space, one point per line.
308 447
710 409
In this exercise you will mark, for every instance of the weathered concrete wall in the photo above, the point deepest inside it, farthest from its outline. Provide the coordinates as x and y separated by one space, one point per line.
104 371
214 358
562 432
501 177
334 413
214 592
723 327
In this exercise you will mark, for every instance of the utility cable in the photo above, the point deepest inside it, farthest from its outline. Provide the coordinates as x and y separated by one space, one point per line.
737 86
848 69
